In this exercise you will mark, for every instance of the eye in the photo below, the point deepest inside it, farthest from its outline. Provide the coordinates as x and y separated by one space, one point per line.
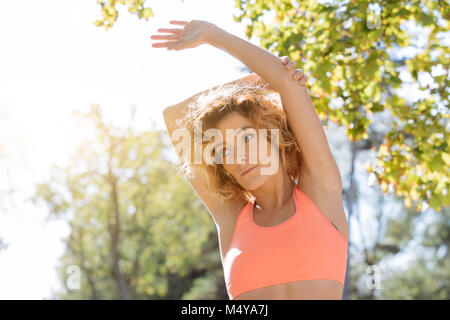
248 135
223 150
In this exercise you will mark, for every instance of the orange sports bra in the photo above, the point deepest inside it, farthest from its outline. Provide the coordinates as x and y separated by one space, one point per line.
306 246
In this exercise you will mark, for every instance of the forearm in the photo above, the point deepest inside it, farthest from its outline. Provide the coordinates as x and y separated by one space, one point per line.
262 62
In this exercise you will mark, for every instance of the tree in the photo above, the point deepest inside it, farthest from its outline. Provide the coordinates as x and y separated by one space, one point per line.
428 277
135 225
345 49
110 12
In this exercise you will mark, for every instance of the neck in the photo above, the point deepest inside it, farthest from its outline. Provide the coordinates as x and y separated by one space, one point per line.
275 193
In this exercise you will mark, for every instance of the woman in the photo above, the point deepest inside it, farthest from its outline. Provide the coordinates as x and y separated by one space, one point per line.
282 235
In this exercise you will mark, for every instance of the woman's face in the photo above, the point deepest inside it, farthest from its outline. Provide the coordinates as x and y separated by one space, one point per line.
247 154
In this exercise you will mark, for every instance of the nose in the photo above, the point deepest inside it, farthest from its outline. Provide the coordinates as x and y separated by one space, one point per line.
242 158
243 155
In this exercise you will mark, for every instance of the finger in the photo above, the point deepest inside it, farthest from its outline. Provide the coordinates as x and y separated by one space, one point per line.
169 30
298 74
303 80
284 59
161 44
291 64
164 37
181 23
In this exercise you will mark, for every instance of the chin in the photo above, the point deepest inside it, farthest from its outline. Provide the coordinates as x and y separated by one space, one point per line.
256 181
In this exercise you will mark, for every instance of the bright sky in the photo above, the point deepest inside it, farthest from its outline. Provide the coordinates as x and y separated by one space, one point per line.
54 60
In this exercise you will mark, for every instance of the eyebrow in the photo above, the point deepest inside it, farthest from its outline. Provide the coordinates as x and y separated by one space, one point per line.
240 129
236 133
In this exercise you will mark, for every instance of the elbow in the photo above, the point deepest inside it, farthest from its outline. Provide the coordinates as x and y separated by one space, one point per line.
166 112
168 115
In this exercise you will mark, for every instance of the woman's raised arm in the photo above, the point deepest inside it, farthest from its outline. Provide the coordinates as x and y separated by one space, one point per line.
318 161
265 65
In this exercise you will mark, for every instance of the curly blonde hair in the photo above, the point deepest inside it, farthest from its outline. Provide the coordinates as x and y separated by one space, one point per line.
254 101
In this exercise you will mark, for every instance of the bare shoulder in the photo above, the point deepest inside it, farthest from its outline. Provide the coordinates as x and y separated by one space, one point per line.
227 225
235 208
221 210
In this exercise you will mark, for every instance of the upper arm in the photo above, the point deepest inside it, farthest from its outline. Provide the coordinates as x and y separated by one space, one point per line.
217 207
330 204
318 161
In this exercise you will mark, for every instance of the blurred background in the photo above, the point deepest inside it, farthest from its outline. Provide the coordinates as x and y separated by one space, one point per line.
91 204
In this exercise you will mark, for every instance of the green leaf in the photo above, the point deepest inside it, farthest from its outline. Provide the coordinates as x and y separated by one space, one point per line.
147 13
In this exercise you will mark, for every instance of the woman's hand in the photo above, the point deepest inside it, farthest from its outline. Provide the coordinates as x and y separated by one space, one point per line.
191 35
295 74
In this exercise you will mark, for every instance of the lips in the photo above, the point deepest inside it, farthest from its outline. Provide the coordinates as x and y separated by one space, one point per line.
247 171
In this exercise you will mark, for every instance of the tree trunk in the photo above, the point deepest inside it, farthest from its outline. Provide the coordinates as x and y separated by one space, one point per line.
114 228
78 238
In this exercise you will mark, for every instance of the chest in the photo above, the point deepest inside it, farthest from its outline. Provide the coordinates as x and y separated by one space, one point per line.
227 227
